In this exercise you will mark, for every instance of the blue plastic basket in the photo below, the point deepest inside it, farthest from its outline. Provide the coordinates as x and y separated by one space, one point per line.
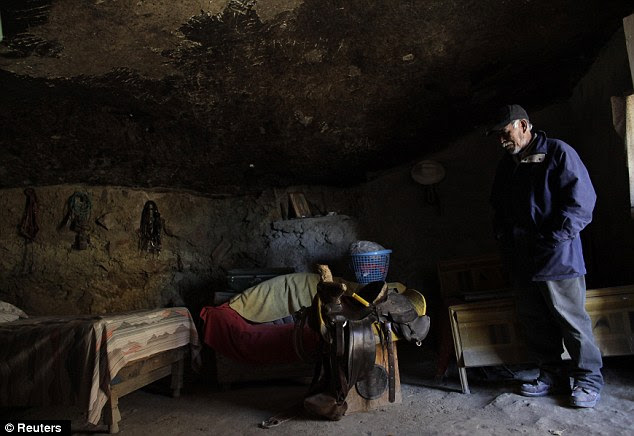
371 266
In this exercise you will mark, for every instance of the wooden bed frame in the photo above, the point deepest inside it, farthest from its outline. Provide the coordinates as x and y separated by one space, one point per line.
229 371
139 373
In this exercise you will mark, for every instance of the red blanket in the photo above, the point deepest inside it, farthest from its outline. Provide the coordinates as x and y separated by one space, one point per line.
228 333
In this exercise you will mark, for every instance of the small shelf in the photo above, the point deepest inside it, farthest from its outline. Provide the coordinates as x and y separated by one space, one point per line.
300 223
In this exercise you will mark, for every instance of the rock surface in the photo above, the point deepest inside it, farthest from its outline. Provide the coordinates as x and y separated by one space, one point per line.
201 239
228 96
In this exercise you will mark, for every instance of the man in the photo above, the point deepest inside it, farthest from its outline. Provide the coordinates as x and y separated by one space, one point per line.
543 197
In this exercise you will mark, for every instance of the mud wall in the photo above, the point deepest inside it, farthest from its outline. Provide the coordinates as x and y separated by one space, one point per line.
201 239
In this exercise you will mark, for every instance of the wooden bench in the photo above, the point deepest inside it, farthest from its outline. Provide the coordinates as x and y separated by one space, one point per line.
139 373
487 333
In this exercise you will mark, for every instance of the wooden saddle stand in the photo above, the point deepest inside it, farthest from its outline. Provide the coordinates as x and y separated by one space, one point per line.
356 348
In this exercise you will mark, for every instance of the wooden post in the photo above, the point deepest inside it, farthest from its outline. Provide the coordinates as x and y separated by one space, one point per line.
177 375
629 135
628 29
356 403
112 415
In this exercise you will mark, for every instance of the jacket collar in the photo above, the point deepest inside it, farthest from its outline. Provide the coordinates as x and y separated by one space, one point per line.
536 149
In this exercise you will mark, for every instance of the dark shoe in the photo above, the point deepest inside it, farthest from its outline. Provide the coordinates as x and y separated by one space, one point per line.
539 388
584 397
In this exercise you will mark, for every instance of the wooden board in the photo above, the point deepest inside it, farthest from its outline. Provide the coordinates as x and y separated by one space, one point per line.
356 403
628 29
629 125
470 275
612 314
139 373
299 205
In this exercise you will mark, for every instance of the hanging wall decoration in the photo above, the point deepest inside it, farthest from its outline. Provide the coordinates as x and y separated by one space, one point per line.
429 173
150 229
79 208
28 227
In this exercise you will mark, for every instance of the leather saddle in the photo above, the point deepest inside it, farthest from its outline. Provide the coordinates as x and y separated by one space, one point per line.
350 326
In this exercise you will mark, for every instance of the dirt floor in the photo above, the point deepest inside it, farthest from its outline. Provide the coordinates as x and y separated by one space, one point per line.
429 406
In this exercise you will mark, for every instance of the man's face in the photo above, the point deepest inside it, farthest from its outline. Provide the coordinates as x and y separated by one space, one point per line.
514 139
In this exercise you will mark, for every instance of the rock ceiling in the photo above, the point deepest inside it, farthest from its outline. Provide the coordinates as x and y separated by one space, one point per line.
229 96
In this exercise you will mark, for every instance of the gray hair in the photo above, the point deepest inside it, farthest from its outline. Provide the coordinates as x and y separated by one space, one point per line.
516 123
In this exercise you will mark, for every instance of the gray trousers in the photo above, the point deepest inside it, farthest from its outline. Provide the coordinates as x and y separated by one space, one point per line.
554 311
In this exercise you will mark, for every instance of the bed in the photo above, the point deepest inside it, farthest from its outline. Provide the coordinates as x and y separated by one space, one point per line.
252 334
91 361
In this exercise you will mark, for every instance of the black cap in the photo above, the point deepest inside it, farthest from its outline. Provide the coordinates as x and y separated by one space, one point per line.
507 114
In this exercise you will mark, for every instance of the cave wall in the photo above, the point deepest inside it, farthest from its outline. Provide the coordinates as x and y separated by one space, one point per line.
611 234
585 121
207 236
202 239
397 215
224 94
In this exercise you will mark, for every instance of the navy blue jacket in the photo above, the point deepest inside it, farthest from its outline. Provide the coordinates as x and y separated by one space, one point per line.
541 204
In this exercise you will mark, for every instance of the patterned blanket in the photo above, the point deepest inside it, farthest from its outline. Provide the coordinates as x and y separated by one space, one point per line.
73 359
